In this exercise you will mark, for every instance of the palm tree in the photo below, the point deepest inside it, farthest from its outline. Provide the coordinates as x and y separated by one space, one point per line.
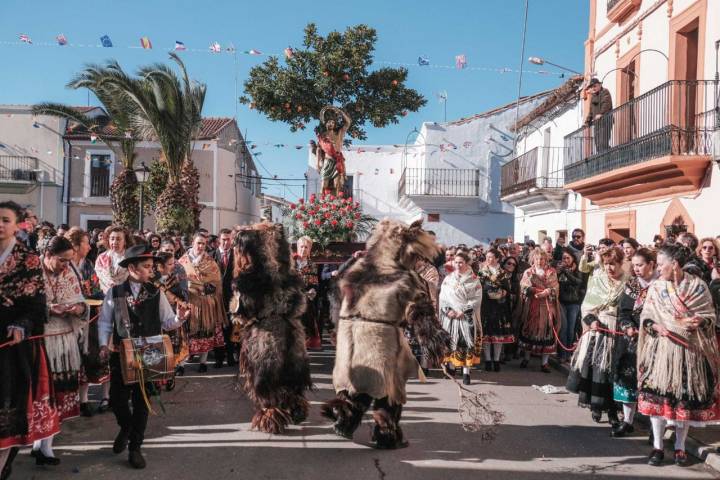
167 108
123 192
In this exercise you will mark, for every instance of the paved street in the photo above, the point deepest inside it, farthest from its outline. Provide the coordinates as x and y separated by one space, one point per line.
205 434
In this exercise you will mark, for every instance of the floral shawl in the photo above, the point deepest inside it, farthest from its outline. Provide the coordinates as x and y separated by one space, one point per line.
665 363
533 282
108 270
22 291
62 346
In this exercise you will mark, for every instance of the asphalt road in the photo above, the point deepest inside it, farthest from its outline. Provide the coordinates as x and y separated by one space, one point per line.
205 433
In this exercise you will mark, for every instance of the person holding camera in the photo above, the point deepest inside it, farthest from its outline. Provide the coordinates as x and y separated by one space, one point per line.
207 313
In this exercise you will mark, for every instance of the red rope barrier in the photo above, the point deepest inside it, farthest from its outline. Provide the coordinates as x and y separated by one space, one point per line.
37 337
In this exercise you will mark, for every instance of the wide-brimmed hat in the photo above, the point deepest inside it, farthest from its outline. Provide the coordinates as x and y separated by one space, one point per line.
138 253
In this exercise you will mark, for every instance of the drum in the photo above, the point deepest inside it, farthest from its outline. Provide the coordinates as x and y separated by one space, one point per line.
149 358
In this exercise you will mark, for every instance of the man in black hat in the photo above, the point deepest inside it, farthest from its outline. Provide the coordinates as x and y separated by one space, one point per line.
135 308
600 104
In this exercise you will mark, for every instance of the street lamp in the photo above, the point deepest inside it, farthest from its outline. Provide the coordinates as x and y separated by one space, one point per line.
142 175
542 61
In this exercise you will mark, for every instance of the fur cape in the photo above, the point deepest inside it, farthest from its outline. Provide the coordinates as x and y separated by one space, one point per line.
268 303
382 294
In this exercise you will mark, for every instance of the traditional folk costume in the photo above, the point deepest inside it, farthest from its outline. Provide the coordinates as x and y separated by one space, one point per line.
311 283
631 304
539 316
268 302
62 334
381 293
496 313
93 370
678 373
431 276
462 293
591 367
207 317
132 310
109 271
27 408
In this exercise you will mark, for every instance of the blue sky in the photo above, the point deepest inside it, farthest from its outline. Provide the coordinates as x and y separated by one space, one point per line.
488 32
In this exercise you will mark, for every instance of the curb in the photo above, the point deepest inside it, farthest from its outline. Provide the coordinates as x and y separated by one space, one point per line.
705 453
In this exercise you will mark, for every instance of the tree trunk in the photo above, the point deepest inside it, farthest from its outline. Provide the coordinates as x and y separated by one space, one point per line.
124 199
190 183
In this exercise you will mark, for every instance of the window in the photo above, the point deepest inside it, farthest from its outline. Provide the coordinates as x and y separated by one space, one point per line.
100 165
433 217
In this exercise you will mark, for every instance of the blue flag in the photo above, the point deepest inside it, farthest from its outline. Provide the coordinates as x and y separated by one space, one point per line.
106 42
422 61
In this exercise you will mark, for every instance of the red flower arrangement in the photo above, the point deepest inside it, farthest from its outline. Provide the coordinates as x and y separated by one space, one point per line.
327 218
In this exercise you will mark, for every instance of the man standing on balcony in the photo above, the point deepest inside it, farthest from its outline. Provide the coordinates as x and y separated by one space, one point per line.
600 104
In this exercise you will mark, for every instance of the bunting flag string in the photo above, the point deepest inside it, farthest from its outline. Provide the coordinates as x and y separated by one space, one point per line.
423 61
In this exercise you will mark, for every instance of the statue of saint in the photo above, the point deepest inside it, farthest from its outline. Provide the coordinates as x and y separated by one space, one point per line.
330 160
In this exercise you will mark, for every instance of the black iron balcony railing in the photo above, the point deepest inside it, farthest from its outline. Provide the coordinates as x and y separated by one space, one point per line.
439 182
675 118
18 168
541 167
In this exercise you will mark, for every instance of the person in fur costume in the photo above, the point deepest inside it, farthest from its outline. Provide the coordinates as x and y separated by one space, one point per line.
381 295
268 303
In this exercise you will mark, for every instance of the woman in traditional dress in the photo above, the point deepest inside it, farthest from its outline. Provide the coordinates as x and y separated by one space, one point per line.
175 289
510 265
107 266
110 273
25 390
677 354
539 288
460 303
496 320
311 281
94 369
631 305
67 317
432 278
207 313
591 374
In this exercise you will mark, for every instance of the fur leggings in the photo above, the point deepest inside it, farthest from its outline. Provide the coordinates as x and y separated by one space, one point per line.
347 412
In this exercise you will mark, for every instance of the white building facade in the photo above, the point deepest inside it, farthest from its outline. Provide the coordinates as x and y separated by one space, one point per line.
449 176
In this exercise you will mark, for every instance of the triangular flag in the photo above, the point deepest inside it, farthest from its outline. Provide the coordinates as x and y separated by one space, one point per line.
215 47
25 38
460 61
145 43
230 48
423 61
61 39
180 46
106 42
252 51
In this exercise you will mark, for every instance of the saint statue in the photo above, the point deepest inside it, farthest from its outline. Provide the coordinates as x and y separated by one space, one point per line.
330 160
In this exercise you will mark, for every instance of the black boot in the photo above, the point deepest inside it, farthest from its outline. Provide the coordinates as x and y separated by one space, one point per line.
136 459
656 458
121 441
496 366
41 459
622 430
466 379
85 410
488 366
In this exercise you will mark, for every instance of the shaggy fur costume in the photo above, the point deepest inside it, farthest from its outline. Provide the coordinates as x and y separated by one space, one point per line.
381 295
268 303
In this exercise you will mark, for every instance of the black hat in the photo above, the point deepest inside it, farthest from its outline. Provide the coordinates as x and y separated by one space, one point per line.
594 81
137 253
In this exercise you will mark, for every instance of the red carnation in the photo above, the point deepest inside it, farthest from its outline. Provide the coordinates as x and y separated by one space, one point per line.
298 216
349 224
328 215
357 215
341 194
301 207
333 207
311 212
312 198
331 197
318 222
301 201
333 223
350 199
292 206
306 224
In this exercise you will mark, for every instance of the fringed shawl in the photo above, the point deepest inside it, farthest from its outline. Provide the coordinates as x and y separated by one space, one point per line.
601 301
108 270
62 332
207 309
539 314
462 293
665 365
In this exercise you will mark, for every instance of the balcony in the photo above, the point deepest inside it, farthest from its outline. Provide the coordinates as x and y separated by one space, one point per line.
534 180
18 174
619 10
438 186
653 146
